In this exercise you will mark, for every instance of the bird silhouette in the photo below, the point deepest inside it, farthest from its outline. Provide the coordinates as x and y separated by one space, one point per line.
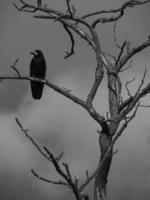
37 70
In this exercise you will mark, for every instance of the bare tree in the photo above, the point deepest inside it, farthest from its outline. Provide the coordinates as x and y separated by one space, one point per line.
120 112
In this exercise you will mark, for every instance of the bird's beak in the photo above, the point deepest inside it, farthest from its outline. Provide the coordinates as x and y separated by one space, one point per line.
33 53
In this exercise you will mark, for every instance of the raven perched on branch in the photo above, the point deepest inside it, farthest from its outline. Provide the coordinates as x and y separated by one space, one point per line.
37 70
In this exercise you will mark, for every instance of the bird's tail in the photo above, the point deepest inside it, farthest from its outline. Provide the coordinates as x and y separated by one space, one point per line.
36 89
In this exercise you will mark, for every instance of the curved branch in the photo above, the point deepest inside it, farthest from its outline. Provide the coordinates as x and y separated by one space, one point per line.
108 20
68 54
126 5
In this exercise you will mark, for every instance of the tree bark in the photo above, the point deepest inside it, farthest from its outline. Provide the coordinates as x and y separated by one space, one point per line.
102 174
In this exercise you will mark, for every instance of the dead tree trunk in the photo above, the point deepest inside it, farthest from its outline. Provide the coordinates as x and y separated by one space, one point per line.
103 170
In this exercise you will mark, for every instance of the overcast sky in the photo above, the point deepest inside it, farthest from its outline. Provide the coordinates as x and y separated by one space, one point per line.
55 121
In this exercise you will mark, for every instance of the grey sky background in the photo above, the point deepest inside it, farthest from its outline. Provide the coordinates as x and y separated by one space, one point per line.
55 121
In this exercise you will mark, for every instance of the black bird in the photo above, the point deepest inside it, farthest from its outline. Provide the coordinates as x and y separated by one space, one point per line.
37 70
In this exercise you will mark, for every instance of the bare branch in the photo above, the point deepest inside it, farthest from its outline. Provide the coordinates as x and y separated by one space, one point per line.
118 134
59 157
108 20
99 69
33 8
67 170
26 132
131 53
142 81
126 85
126 5
54 160
24 6
121 51
132 100
48 180
114 36
58 89
15 69
93 91
96 116
56 163
68 54
66 175
121 10
87 181
71 11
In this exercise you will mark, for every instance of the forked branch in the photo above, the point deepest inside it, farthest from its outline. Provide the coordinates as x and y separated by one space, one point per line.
65 174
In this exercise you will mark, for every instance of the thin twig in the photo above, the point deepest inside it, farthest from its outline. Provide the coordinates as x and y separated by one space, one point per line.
121 51
68 54
66 175
126 85
142 81
48 180
15 69
131 53
67 170
26 132
69 8
54 160
114 35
